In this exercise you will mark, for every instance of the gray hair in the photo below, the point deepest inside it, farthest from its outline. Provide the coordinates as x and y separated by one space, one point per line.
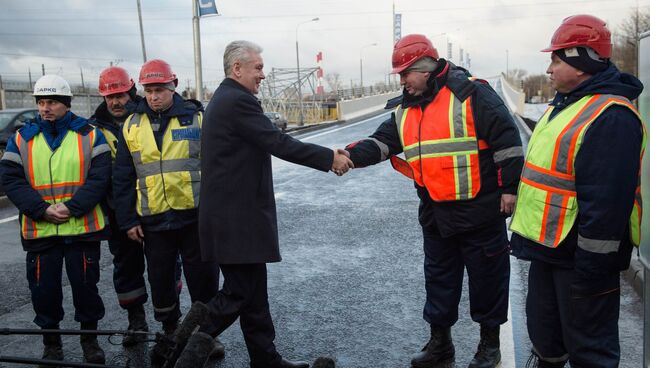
238 51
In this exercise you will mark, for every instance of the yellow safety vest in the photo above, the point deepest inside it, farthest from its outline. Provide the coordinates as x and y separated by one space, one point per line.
56 176
111 139
169 179
547 206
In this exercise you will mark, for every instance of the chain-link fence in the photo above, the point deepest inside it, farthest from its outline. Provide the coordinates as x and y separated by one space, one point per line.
19 95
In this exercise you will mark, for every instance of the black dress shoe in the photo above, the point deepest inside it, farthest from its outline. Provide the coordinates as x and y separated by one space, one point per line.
291 364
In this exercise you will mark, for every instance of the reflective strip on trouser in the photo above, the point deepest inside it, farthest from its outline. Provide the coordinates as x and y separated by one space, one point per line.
444 159
126 298
546 205
56 176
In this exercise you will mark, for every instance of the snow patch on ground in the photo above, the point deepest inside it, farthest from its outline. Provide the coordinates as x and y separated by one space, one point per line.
534 111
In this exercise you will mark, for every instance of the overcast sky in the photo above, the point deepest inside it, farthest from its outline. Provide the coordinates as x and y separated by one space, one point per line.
67 35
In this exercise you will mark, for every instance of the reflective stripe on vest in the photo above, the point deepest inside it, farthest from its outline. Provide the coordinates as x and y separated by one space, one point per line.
441 147
547 206
56 176
111 139
167 180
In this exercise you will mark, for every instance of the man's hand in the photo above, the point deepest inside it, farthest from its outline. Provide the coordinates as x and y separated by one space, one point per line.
136 234
62 209
508 203
54 215
342 162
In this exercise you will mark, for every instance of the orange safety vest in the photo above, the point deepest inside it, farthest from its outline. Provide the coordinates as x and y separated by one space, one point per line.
440 147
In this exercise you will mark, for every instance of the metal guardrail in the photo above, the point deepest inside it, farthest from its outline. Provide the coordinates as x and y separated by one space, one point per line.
644 248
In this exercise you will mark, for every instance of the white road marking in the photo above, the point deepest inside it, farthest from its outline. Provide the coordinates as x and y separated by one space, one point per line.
507 343
341 128
12 218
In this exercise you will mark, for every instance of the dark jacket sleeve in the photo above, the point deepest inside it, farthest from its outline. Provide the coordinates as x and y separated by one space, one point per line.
17 188
382 144
256 128
607 169
124 194
495 125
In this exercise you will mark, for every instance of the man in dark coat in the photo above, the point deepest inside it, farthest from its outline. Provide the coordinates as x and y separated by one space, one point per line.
237 216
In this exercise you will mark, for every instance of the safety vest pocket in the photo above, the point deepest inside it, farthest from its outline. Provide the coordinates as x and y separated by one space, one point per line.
553 199
558 211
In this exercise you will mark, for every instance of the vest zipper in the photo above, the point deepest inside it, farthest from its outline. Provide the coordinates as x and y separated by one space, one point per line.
49 163
162 176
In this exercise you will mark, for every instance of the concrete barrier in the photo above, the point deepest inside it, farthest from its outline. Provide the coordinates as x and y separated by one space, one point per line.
363 106
515 98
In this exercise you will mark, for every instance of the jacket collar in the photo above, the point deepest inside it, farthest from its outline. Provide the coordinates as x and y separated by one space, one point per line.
179 107
103 118
233 83
447 74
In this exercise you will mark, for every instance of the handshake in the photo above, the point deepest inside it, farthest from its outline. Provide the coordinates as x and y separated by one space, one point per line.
342 162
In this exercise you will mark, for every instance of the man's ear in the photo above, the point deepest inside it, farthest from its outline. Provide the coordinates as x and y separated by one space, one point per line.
236 70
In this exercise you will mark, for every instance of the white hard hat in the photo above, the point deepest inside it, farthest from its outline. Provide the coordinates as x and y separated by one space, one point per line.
52 85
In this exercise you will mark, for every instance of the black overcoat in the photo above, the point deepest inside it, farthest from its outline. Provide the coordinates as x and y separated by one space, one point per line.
237 216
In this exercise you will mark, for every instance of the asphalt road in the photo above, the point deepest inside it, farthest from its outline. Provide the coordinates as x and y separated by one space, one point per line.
350 285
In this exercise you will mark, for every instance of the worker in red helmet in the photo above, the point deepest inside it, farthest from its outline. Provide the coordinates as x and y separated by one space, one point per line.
119 93
156 184
463 152
578 212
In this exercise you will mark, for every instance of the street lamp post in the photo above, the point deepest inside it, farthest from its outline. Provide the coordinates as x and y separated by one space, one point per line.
361 63
301 120
507 66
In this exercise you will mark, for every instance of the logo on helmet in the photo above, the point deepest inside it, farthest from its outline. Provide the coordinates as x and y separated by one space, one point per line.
154 75
46 89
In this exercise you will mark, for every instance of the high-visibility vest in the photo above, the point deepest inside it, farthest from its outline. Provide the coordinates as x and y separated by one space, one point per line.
169 179
547 206
111 139
441 147
56 176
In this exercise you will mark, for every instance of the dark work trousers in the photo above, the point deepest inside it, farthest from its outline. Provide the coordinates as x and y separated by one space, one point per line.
44 272
128 267
484 252
161 249
244 296
565 323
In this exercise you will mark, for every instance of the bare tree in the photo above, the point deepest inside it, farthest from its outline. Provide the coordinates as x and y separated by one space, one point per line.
624 53
334 81
515 76
537 85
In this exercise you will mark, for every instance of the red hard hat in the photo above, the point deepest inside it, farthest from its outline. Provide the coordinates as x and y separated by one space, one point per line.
114 80
583 30
156 71
411 48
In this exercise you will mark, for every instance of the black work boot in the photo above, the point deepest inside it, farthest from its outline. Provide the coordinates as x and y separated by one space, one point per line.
169 327
93 353
218 349
534 361
488 354
438 350
137 322
52 348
